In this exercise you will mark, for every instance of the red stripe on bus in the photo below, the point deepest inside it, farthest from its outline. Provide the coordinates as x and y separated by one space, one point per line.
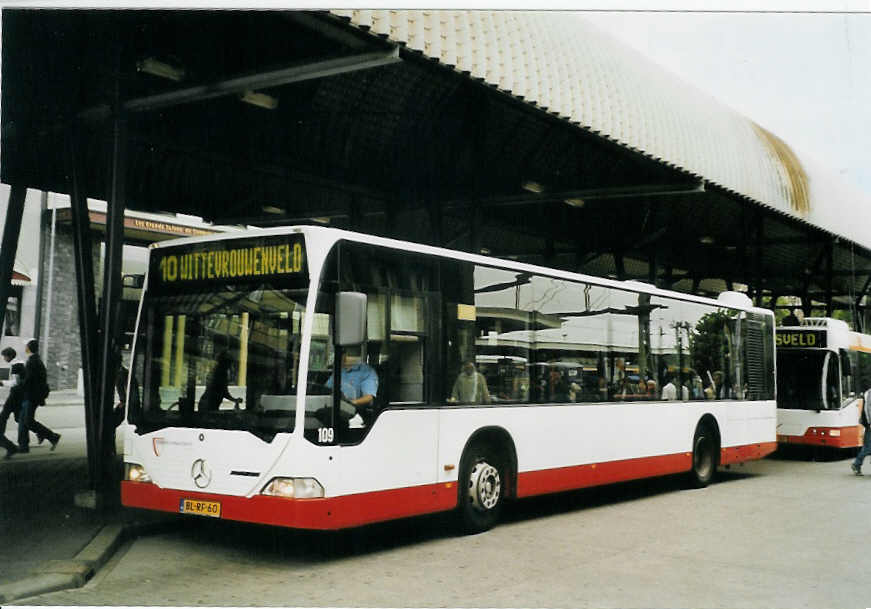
847 437
595 474
581 476
365 508
322 514
748 452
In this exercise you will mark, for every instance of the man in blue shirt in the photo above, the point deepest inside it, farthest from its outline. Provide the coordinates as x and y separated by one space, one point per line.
359 384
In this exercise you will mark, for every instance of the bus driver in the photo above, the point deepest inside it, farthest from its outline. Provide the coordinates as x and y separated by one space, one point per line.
359 381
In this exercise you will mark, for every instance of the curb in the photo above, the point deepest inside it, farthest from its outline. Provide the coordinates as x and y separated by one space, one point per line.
56 575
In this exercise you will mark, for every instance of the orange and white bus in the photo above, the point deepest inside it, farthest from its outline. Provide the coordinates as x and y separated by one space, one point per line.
823 372
233 412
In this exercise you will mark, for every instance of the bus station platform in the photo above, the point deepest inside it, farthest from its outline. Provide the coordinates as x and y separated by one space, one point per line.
49 543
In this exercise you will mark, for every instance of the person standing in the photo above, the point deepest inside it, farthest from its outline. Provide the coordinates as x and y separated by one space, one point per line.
34 394
12 405
470 386
865 420
669 390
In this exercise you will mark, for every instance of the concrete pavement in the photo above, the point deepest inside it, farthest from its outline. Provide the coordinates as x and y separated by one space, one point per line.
50 544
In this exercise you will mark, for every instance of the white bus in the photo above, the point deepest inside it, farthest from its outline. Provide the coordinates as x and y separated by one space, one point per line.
271 314
823 372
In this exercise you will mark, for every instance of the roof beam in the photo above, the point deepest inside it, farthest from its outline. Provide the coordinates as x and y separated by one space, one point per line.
591 194
260 80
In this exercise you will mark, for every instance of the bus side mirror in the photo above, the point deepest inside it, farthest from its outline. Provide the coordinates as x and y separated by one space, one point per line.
350 319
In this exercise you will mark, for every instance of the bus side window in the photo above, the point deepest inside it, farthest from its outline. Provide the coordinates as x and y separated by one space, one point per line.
503 340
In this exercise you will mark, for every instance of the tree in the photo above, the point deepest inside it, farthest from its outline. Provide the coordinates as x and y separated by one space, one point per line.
708 344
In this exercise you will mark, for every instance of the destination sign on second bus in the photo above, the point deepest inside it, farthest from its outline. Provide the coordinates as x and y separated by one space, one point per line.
800 338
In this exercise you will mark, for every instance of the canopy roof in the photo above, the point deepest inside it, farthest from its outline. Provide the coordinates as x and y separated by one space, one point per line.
529 135
566 66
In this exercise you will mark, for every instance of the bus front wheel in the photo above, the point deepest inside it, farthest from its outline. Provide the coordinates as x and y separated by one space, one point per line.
704 456
482 490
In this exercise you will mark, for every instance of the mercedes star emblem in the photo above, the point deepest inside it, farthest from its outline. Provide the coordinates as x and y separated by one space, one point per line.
201 473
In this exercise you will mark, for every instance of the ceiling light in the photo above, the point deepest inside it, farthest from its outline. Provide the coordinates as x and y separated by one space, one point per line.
161 69
484 251
574 202
533 187
706 240
260 100
271 209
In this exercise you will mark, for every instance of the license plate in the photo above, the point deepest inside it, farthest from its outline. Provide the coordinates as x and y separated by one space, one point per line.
202 508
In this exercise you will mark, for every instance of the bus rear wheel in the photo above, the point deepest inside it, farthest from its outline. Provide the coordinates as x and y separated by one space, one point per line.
482 490
704 456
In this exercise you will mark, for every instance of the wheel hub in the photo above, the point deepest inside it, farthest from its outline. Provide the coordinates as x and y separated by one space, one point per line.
485 486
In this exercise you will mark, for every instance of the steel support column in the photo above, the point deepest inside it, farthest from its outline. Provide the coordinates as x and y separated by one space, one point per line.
759 223
109 311
857 306
830 253
475 227
9 247
355 214
86 303
434 210
43 247
619 265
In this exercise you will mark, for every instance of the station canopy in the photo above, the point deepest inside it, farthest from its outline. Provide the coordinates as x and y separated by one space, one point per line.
526 135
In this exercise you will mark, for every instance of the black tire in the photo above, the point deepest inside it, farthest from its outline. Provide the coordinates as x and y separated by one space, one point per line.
705 450
482 488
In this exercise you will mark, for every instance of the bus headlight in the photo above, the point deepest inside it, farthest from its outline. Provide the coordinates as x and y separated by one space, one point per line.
135 473
295 488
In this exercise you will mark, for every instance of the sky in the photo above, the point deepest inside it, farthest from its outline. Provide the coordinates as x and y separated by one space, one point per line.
805 76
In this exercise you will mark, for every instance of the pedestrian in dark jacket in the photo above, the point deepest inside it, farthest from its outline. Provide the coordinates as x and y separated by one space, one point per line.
865 420
35 392
12 405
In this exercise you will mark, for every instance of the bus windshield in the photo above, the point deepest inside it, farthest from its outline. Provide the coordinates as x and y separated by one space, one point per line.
799 379
226 359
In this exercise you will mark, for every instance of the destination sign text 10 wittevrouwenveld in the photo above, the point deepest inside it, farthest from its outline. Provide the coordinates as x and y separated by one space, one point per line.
800 338
231 260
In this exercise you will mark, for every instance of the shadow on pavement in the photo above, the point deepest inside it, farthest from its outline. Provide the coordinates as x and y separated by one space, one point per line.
316 546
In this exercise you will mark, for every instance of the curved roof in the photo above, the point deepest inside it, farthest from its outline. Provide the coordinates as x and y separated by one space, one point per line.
568 67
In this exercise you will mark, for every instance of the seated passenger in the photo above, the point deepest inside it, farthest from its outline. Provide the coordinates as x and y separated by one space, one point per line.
698 391
669 390
641 388
470 386
574 392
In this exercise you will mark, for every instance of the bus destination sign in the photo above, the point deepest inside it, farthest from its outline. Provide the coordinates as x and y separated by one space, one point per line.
800 339
229 261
